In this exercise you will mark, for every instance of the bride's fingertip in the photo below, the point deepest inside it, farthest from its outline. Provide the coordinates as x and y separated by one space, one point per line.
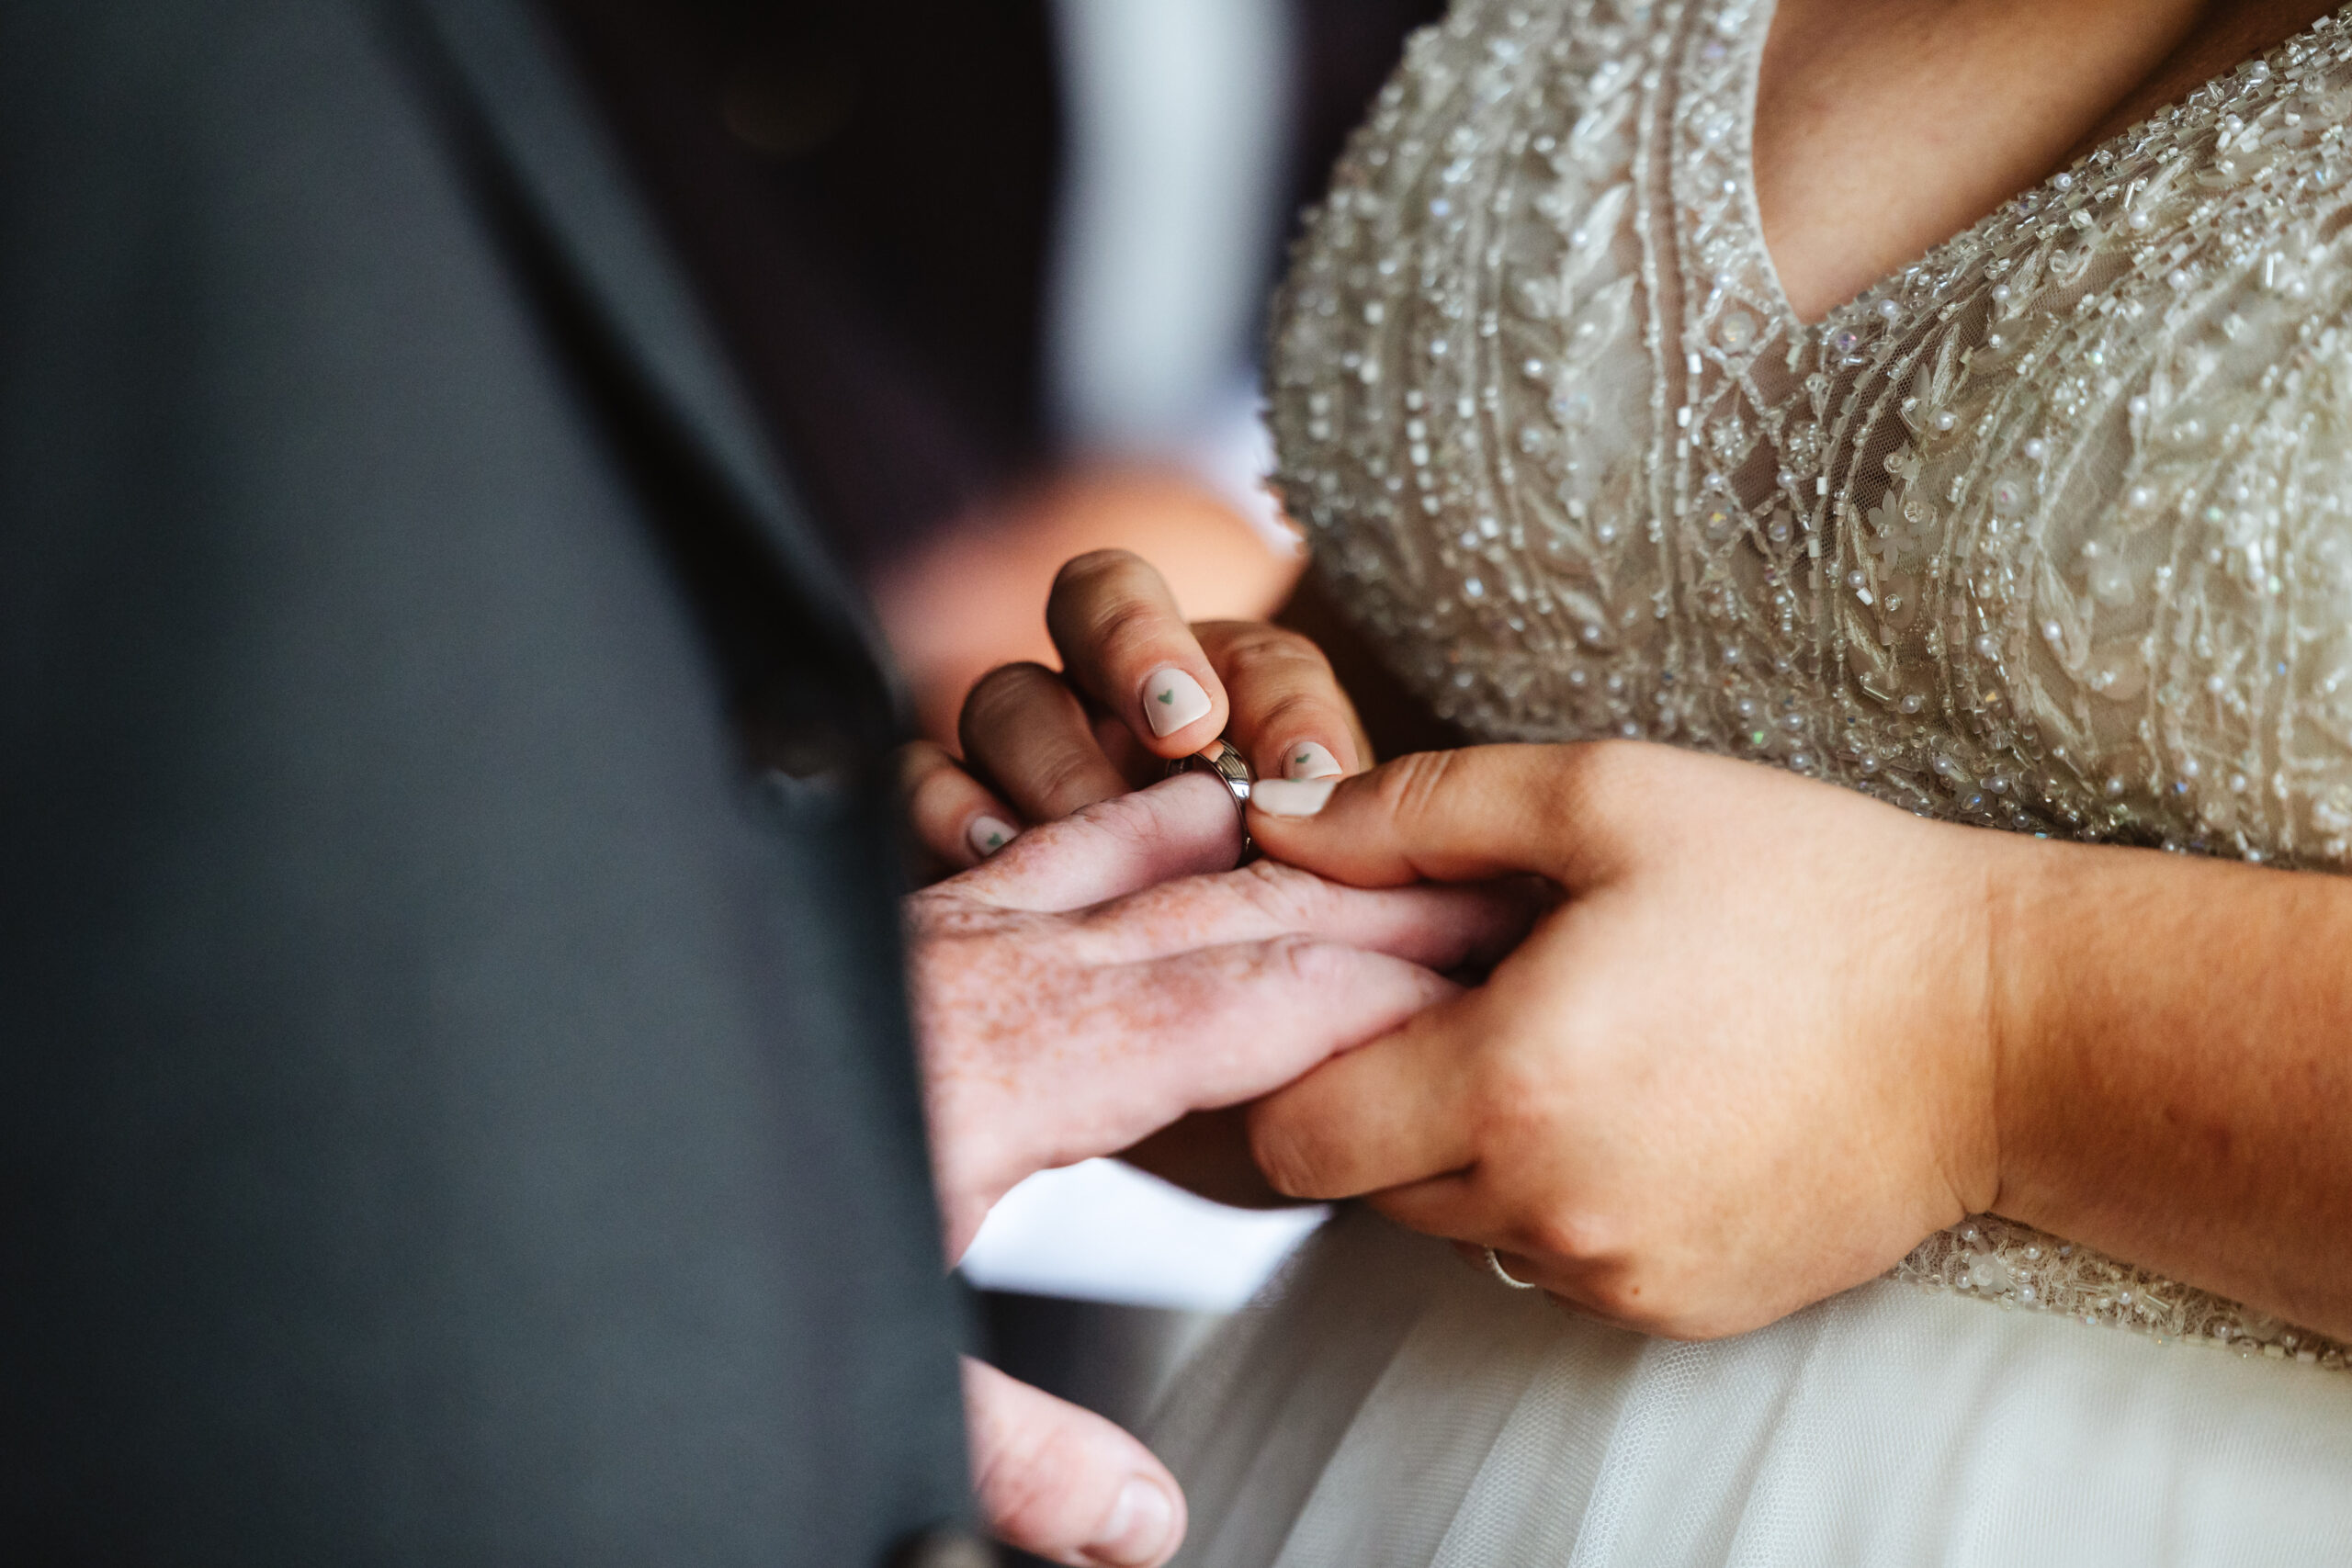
1292 798
1309 759
1172 701
986 834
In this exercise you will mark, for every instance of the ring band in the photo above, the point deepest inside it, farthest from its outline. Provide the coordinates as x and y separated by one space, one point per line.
1223 761
1495 1266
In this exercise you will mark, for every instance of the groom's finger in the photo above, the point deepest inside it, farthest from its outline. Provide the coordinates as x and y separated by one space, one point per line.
1063 1483
1182 827
1460 816
1221 1025
1124 642
1438 928
1130 1048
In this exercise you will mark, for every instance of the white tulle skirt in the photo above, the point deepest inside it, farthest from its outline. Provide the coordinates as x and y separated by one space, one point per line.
1384 1405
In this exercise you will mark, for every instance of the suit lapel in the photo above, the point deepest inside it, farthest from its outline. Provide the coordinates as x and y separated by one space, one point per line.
554 157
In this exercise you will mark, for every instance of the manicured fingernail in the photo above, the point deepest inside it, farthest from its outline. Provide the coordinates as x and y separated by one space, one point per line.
1137 1530
1290 798
1308 761
988 834
1172 699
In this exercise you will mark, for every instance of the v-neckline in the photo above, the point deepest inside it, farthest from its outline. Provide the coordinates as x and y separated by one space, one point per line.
1759 32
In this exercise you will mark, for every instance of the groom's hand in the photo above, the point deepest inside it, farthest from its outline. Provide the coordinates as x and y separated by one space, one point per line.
1063 1484
1102 977
1091 985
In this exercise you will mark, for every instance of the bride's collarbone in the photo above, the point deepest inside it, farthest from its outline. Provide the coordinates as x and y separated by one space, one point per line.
1885 127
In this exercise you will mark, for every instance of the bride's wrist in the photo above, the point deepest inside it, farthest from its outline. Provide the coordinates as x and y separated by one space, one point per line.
1985 904
2033 899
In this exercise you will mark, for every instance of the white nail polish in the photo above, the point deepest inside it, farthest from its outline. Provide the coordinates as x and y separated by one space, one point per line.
1292 798
1308 761
988 834
1172 699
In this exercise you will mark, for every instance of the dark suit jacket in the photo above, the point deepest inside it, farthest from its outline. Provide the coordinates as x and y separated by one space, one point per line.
882 268
451 1110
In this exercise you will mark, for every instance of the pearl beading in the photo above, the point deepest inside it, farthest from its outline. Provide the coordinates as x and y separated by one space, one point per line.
2047 531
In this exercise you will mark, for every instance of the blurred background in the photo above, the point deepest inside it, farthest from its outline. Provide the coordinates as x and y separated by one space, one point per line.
996 271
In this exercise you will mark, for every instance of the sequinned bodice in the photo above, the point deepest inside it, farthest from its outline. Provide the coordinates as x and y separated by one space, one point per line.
2051 530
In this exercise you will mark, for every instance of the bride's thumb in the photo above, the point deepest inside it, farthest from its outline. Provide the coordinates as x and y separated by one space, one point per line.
1458 816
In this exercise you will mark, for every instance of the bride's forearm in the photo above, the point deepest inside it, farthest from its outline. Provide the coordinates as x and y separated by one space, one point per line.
2174 1080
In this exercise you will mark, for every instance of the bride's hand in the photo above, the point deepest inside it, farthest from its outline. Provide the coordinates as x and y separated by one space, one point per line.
1139 687
1105 977
1745 1064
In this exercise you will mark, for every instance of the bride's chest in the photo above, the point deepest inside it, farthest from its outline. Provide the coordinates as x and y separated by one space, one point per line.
2047 531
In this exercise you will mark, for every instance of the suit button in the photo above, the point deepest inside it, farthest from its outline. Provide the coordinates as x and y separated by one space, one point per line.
945 1547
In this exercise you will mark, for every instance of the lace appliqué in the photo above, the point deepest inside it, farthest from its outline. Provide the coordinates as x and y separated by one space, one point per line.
2017 1268
2049 531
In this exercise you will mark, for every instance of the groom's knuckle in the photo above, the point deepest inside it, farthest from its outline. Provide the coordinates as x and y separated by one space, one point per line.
1284 895
1116 825
1304 964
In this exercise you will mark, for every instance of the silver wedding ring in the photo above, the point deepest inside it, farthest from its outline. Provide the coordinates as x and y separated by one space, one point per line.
1495 1266
1223 761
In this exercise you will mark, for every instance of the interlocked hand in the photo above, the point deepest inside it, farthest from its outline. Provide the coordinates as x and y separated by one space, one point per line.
1096 981
1748 1063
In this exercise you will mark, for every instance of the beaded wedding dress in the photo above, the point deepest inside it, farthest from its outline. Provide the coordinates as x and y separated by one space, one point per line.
2047 532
